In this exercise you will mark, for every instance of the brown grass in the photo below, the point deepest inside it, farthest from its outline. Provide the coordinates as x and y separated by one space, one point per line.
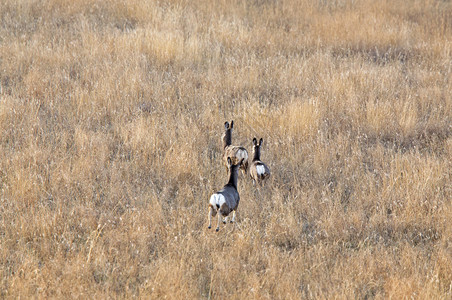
111 114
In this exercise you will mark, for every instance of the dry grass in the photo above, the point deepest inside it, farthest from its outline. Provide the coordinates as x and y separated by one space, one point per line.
111 114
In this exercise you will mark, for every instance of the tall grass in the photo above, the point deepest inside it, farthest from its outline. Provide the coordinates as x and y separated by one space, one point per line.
111 114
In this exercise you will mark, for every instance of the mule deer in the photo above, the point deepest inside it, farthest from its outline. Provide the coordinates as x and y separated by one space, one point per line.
227 199
258 170
236 153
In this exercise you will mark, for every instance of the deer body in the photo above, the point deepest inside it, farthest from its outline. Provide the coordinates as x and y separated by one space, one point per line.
236 153
258 170
227 199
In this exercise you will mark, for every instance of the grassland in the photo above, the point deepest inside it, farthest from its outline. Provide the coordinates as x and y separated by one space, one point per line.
111 114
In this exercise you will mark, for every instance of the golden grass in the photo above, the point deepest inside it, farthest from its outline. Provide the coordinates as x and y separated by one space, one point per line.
111 114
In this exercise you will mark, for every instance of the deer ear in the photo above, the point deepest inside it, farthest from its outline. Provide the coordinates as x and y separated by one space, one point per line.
232 123
226 125
241 161
229 162
254 141
260 142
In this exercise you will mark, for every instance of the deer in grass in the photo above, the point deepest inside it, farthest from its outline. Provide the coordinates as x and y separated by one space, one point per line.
236 153
227 199
258 170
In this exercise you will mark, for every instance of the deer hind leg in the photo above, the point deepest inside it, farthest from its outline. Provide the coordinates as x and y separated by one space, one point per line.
243 169
218 223
225 220
209 216
233 217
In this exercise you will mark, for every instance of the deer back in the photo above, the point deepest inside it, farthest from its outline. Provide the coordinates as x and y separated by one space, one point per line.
259 171
236 153
231 197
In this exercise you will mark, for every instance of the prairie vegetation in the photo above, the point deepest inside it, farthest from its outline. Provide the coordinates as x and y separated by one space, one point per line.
111 114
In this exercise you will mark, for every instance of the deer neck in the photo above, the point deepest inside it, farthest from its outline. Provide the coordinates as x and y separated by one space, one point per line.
257 154
227 138
233 176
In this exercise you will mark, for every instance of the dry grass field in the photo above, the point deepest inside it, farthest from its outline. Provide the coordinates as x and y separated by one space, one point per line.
111 114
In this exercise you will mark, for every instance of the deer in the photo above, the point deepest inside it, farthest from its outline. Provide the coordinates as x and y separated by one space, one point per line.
227 199
258 170
236 153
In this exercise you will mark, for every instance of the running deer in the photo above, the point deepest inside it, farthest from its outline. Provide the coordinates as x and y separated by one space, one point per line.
236 153
227 199
258 170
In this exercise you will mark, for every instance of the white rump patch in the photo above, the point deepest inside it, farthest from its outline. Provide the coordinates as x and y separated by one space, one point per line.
242 154
260 170
217 200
